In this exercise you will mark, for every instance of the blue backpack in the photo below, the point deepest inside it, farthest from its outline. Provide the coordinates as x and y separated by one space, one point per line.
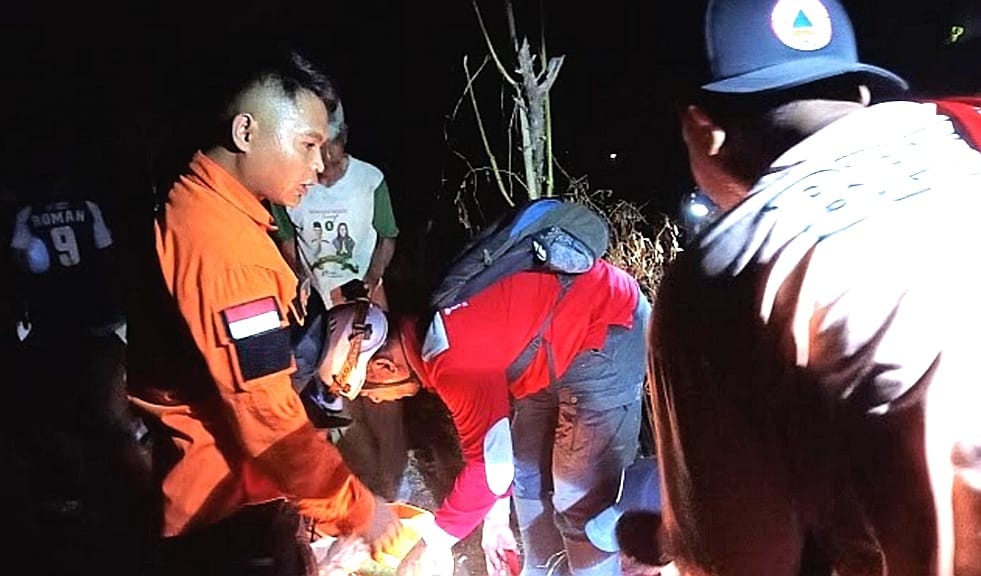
547 234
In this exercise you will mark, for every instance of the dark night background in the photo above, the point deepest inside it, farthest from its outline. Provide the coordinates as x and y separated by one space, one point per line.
113 88
111 93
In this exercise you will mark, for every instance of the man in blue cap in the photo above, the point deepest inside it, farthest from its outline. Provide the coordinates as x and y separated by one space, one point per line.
814 349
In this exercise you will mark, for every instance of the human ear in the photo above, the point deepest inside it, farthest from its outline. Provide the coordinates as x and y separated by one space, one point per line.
242 127
382 369
701 132
864 95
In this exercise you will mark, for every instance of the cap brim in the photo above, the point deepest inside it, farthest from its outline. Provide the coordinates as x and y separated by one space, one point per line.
601 529
800 72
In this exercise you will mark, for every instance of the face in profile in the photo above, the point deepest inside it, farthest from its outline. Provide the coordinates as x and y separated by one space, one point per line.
389 376
283 145
335 162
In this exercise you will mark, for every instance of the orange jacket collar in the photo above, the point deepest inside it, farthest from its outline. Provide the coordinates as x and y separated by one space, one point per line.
228 187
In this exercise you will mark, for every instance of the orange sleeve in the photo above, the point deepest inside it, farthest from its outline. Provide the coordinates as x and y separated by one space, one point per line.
265 413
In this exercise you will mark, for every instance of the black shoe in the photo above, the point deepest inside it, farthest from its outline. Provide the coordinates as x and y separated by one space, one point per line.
335 420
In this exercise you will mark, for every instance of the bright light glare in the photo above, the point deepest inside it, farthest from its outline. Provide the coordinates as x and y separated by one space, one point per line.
698 210
613 155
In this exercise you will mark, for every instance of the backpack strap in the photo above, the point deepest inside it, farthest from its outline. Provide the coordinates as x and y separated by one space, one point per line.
524 359
359 330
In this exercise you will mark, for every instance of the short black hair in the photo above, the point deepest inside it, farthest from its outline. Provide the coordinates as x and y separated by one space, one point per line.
640 536
761 126
728 107
284 67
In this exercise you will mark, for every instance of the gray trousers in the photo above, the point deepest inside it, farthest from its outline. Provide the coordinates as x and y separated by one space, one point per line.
571 441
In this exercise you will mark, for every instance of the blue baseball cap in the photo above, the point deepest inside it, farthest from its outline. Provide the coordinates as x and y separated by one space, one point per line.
640 490
763 45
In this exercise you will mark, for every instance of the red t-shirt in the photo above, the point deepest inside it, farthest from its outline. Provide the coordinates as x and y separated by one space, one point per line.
484 335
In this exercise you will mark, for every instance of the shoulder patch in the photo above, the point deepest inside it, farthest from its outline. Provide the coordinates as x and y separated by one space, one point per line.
251 318
437 341
262 345
264 354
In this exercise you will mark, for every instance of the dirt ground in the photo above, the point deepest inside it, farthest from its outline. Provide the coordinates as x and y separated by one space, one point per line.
468 553
434 462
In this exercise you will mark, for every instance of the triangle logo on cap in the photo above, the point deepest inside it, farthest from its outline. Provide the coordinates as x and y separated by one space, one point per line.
801 24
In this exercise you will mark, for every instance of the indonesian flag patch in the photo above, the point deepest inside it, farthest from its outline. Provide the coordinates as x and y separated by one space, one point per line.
252 318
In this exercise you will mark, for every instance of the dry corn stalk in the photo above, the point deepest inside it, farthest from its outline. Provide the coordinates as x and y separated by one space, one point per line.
639 246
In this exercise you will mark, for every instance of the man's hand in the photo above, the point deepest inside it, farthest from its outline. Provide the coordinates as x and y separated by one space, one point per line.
427 560
371 282
500 548
303 293
345 556
385 530
354 290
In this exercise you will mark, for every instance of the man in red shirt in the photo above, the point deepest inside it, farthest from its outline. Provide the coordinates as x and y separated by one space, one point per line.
542 374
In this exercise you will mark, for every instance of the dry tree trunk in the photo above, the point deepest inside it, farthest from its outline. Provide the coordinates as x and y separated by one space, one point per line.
531 102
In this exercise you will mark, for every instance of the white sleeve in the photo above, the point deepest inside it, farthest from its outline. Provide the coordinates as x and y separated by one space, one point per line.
499 457
103 239
500 513
435 536
22 234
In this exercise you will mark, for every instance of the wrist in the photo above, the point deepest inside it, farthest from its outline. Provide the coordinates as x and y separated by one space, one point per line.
436 537
500 512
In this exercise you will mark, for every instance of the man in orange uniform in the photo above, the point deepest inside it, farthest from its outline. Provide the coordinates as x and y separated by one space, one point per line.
211 362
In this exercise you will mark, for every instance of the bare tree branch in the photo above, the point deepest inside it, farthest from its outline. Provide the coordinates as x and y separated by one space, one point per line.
483 137
512 28
549 157
490 48
551 72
